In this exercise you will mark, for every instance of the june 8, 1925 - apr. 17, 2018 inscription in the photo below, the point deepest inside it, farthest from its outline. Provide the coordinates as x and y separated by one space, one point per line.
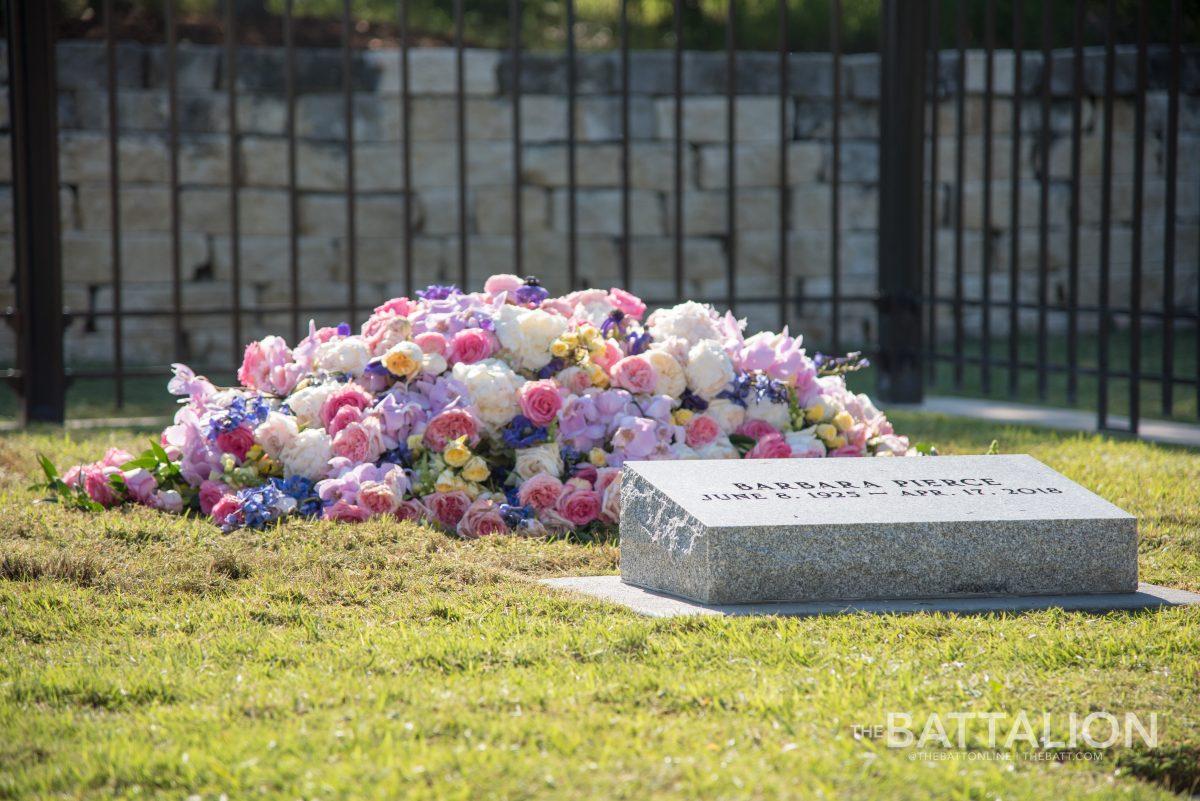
744 531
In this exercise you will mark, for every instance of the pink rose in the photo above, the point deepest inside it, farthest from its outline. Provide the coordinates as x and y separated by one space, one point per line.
471 345
607 476
636 374
610 507
580 507
482 519
449 425
575 379
771 446
141 485
585 472
116 457
432 342
627 302
97 486
756 429
71 477
377 498
540 401
411 510
540 491
447 508
702 430
344 417
612 354
237 442
210 493
347 512
397 306
226 506
268 367
502 283
349 395
359 442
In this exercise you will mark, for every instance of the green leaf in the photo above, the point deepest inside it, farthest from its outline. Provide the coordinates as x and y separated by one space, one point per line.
146 462
926 448
994 448
48 468
158 452
742 442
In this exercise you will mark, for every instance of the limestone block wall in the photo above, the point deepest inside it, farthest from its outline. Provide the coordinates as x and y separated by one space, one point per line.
205 164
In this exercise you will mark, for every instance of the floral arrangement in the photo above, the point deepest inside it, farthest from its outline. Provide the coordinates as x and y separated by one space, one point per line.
498 411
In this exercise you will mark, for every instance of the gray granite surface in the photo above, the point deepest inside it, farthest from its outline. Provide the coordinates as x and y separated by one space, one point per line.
747 531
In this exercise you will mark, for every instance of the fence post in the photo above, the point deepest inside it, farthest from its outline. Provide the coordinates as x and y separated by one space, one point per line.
901 199
39 312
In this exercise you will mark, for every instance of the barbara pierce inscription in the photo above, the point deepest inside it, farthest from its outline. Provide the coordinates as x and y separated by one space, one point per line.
898 487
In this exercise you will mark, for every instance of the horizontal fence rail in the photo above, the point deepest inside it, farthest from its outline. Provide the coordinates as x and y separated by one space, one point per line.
992 204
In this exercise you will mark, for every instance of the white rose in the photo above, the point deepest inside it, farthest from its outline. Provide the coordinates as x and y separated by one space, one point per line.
892 445
308 455
345 355
727 414
527 334
306 404
433 364
492 387
276 433
805 443
395 331
777 414
671 379
709 368
719 448
539 459
691 321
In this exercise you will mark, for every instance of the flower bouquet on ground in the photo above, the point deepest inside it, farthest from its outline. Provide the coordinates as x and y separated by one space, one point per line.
498 411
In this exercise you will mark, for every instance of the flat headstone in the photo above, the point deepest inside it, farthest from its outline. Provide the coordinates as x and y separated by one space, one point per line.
805 530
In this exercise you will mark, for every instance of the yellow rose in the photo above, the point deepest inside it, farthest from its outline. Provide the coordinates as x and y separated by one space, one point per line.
414 442
835 443
597 457
598 376
404 360
843 420
447 481
559 349
457 453
826 432
815 413
476 469
683 416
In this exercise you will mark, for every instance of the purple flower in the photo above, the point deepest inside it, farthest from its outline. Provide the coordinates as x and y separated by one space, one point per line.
438 292
531 293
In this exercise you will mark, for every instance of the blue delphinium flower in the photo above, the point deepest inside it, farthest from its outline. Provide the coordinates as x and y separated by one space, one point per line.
438 292
692 402
840 365
638 342
522 433
556 364
531 292
757 386
570 455
400 455
343 329
614 321
240 412
303 491
262 505
514 516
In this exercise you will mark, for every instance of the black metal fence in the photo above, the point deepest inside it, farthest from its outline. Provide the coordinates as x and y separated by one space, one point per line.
928 334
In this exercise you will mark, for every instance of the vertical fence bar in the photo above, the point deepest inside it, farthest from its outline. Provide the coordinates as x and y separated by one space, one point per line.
235 243
289 54
1044 210
114 202
1106 211
33 102
678 26
514 17
989 77
835 179
1073 232
351 190
935 102
960 148
784 138
1014 208
572 210
625 211
731 157
1139 180
460 114
406 149
173 178
901 127
1172 156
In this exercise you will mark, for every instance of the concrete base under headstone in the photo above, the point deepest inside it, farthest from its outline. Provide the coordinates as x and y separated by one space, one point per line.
656 604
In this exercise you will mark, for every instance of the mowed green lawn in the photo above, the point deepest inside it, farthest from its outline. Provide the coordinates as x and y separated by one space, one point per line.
144 655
